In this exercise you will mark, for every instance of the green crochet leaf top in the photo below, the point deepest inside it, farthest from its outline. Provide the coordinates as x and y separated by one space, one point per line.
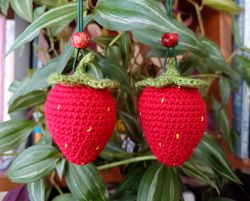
80 78
171 77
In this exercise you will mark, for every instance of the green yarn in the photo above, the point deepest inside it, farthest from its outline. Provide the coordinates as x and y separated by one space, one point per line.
171 77
80 78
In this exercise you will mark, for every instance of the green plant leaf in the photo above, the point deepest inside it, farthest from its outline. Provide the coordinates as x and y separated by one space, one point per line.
222 121
34 163
225 90
60 166
146 15
193 171
153 39
56 65
228 6
65 197
4 5
159 183
85 183
38 11
129 186
236 33
36 190
215 61
114 151
116 72
51 18
214 156
29 100
242 65
14 132
103 41
113 53
24 8
53 3
131 125
124 46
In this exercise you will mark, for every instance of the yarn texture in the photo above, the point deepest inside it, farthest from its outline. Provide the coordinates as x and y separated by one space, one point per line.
171 77
174 120
81 120
80 77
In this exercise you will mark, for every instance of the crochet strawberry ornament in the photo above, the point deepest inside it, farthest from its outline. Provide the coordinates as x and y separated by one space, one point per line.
173 115
81 114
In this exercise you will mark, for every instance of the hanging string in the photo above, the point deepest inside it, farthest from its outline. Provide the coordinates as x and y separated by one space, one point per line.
80 25
169 11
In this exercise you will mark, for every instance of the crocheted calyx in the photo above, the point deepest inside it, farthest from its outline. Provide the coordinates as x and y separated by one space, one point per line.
170 78
173 120
80 78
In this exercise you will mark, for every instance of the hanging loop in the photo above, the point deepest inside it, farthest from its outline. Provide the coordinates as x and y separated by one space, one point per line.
80 27
169 46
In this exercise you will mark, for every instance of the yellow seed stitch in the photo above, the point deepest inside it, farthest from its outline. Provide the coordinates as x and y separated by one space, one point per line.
89 129
177 136
162 100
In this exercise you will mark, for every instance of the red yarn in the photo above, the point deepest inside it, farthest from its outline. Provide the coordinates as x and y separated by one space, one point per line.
174 120
81 121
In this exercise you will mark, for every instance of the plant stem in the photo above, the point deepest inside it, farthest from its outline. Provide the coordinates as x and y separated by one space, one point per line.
229 59
52 44
206 75
127 161
198 12
54 183
115 39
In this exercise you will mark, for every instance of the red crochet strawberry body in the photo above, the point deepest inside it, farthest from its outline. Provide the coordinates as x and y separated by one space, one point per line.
81 121
174 120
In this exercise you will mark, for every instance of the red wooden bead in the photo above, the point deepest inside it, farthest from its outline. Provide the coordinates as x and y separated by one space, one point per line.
80 40
170 39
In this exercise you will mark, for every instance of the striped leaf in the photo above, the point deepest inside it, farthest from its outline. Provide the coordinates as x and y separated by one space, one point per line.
29 100
14 132
223 5
85 183
65 197
159 183
60 165
147 18
24 8
51 18
36 190
4 5
193 171
214 156
33 164
54 66
53 3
